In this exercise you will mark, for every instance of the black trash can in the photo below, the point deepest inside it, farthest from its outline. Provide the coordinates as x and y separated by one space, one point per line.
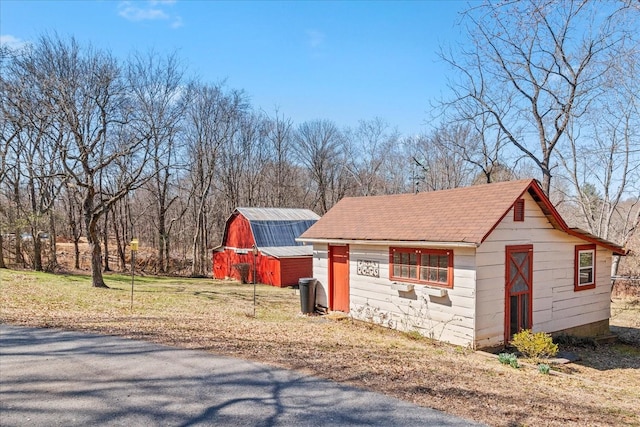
307 287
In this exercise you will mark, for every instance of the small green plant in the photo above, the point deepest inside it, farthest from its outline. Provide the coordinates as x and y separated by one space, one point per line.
508 359
543 368
534 346
414 335
463 350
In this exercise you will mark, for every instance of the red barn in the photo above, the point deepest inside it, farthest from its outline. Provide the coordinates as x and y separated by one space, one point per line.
278 260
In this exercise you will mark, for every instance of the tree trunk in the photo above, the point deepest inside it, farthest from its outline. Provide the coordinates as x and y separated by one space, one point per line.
162 242
96 265
76 252
2 264
53 245
18 248
91 223
18 231
37 250
105 239
546 180
167 263
119 240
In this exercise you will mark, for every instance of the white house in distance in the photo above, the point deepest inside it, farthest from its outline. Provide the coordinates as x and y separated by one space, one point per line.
470 266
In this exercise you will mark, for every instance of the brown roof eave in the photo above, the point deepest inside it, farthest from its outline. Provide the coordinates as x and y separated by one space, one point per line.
402 243
584 235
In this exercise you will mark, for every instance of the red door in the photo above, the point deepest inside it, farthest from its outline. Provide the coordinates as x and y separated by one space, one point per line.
519 280
339 278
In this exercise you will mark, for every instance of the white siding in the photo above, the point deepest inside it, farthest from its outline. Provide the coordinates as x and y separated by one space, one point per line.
449 318
321 273
472 313
556 306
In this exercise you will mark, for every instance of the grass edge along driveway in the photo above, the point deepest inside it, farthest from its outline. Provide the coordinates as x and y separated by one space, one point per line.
218 317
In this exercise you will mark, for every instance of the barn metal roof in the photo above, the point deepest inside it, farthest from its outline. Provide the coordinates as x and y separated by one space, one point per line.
278 214
275 229
288 251
279 233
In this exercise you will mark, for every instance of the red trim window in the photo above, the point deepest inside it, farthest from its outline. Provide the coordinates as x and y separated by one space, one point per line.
427 266
518 210
585 267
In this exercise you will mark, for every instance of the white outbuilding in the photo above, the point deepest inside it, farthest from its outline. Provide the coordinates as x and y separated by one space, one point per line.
470 266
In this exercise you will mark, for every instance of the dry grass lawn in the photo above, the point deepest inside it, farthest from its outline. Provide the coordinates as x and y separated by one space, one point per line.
602 389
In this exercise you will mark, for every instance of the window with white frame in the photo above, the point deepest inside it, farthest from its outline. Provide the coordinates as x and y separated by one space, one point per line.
585 267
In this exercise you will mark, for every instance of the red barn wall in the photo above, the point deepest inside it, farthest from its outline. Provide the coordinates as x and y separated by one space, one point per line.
239 233
271 271
220 265
224 261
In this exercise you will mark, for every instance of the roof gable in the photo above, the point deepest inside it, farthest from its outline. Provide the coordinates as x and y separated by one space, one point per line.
460 215
273 227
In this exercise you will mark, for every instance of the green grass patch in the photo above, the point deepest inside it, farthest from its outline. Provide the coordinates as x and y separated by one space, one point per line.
627 350
53 295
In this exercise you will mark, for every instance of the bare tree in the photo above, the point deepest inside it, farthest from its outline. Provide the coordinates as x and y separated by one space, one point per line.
10 128
480 143
321 148
86 92
438 167
160 102
73 214
370 145
602 161
33 139
242 162
279 170
534 66
14 121
212 122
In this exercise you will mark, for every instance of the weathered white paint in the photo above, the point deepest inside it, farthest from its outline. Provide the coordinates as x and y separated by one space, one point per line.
472 312
448 318
321 273
556 306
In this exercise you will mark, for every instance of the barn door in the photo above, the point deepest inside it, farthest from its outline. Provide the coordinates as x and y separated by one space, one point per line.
519 272
339 278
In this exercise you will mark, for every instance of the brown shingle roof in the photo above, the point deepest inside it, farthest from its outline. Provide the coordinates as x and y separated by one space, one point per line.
461 215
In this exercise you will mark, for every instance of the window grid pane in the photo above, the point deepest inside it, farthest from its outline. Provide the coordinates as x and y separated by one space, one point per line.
586 267
424 267
586 259
586 276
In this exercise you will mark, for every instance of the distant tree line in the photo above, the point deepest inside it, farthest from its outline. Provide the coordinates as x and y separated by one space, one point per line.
109 149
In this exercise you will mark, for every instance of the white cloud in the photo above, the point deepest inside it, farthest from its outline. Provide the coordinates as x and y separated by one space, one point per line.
315 38
151 10
177 22
132 12
14 43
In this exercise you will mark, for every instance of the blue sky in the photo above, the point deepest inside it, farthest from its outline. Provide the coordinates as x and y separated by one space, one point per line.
342 61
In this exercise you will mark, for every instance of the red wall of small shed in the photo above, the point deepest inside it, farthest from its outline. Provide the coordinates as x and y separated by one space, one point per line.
271 271
292 269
